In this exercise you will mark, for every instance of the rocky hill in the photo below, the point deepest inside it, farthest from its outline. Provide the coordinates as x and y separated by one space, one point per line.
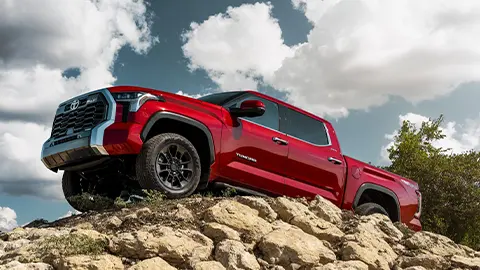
229 233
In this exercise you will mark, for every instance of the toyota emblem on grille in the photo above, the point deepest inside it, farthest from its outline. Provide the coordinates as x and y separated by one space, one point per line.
74 104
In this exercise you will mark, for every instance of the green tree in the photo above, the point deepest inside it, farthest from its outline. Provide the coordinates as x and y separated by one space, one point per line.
449 182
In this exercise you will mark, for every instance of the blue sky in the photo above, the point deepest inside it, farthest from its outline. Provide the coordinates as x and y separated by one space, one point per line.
151 55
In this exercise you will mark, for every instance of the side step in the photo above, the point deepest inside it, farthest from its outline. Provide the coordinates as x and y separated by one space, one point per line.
241 189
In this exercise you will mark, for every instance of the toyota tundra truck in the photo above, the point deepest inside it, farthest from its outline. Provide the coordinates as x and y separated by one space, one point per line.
128 138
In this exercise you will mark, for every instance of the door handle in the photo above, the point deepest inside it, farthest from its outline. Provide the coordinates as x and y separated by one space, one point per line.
335 161
279 141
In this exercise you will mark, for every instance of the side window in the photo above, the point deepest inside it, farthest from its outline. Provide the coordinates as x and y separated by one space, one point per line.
304 127
269 118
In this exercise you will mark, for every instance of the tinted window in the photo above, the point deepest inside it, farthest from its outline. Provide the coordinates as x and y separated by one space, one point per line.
268 119
220 98
304 127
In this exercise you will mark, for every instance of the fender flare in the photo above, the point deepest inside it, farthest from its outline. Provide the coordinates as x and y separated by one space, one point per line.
177 117
384 190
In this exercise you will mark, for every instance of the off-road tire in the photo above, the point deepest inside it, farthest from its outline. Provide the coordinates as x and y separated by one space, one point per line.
369 209
146 165
72 190
71 187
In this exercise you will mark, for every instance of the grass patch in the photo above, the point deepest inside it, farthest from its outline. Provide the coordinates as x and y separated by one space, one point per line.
91 202
73 244
154 196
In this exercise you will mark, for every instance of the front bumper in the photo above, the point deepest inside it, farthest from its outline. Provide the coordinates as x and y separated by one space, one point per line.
83 145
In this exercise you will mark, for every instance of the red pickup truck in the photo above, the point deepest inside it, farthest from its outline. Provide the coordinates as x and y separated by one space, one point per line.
125 138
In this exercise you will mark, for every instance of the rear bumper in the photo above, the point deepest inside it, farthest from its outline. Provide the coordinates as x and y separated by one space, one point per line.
106 139
415 224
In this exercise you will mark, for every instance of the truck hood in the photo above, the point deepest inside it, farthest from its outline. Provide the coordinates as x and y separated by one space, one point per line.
196 104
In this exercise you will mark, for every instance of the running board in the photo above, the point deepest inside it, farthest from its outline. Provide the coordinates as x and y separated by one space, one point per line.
241 189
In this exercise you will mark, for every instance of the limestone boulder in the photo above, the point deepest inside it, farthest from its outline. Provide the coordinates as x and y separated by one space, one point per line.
239 217
326 210
265 211
151 264
292 245
234 255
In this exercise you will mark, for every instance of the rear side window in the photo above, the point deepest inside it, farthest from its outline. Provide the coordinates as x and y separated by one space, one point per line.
304 127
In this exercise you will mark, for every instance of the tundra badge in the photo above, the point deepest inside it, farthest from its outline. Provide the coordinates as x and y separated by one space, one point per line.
247 158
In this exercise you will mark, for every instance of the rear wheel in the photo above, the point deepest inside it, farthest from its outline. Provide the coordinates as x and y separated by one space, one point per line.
169 163
84 194
369 209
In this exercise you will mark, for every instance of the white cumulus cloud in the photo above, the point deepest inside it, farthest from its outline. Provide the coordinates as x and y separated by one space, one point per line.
358 54
459 138
237 46
70 213
40 40
8 219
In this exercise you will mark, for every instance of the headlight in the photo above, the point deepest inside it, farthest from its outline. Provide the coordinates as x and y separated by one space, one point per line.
135 99
127 95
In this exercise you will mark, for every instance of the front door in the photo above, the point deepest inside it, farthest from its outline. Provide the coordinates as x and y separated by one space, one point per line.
314 166
253 154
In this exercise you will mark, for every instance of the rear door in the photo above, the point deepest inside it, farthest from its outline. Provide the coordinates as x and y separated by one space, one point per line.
314 166
253 152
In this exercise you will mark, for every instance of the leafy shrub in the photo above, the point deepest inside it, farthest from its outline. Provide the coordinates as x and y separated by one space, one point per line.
449 182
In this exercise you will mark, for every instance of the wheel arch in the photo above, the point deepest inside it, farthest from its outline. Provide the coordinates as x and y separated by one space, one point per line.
159 116
387 199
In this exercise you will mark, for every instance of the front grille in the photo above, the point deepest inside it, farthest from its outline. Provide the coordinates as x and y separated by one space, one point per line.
91 111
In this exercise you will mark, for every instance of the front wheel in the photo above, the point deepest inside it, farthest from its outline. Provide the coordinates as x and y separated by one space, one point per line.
169 163
85 194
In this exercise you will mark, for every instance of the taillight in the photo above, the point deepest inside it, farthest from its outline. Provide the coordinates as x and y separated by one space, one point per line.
419 206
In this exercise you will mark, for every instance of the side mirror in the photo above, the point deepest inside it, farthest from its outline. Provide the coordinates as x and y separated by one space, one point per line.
249 108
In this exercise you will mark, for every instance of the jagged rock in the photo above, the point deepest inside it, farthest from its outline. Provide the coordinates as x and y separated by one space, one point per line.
143 212
428 261
233 255
82 262
239 217
16 244
208 265
341 265
292 245
368 248
265 211
326 210
34 233
304 236
113 222
300 216
218 232
15 265
84 226
464 262
130 217
184 213
175 246
153 263
136 245
381 226
322 229
288 209
434 243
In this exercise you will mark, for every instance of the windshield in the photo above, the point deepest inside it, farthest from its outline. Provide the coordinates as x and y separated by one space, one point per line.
221 98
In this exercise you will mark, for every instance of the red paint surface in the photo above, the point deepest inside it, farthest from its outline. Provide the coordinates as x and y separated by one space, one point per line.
296 169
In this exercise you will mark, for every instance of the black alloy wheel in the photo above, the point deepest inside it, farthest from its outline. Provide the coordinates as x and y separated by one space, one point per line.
174 166
169 163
